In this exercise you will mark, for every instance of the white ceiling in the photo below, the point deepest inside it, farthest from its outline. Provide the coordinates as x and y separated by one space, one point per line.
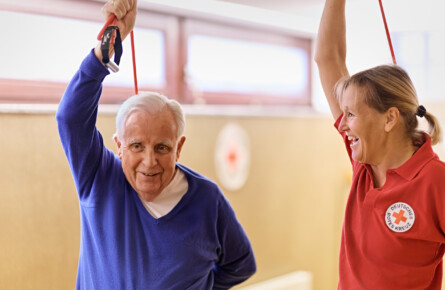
402 15
365 30
289 6
366 37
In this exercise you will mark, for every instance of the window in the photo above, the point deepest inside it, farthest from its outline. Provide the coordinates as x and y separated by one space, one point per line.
150 61
421 55
239 66
194 61
218 65
35 73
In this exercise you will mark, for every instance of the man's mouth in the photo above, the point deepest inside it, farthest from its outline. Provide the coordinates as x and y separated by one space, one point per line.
148 174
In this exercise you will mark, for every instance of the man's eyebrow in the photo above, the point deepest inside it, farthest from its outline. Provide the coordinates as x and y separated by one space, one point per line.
133 140
165 142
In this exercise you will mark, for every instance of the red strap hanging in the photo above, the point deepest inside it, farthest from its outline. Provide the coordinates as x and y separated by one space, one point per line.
387 33
134 65
112 21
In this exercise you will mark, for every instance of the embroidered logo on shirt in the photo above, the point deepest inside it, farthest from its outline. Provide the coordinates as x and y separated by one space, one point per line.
400 217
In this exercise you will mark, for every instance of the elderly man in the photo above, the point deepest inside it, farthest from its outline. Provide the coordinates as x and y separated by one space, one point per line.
147 222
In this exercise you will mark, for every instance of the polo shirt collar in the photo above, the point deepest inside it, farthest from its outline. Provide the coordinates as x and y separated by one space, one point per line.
421 157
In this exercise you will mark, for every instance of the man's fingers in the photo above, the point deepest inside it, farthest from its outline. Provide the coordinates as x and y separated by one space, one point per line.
109 8
120 8
125 12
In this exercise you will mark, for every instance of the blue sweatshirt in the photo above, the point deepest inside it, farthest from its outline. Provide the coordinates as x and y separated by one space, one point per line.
198 245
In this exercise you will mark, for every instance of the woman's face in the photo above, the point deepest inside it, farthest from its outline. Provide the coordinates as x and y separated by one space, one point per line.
364 126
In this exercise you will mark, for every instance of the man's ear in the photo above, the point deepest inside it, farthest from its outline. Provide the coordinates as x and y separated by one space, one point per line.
119 146
392 118
179 147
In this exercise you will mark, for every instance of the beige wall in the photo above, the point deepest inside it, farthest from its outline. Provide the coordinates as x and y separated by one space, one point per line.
291 206
292 203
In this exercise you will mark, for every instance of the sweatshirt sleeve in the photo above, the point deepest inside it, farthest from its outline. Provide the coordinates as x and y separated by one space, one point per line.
237 261
76 119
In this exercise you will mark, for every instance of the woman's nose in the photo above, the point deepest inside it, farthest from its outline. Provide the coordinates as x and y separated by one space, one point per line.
342 126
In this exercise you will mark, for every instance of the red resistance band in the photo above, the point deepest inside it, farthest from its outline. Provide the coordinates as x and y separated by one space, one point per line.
387 33
112 21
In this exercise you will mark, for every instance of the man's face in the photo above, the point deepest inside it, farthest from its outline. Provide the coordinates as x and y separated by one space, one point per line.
149 151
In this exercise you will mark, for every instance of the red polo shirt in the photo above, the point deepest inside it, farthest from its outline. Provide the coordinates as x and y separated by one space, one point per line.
393 237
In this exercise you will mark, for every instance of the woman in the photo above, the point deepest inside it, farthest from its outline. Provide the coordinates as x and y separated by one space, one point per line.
393 232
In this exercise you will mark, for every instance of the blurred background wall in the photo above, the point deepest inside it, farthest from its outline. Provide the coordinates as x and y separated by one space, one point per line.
290 206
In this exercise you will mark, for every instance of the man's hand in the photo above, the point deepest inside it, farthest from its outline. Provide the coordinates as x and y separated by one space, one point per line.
125 12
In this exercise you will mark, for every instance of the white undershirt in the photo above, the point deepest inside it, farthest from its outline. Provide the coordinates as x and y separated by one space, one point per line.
169 197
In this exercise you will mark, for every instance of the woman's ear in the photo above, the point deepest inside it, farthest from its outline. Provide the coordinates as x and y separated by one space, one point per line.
392 118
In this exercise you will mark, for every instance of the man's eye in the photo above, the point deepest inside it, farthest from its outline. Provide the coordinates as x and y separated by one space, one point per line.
163 148
136 147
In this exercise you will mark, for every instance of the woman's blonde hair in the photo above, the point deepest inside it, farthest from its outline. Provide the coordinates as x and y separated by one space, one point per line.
388 86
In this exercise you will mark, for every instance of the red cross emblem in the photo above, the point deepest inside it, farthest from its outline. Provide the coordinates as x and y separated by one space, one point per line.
232 158
399 216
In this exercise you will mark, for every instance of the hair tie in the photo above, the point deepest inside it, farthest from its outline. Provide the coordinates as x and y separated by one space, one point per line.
421 111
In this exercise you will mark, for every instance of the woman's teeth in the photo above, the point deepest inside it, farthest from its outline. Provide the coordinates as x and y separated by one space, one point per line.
352 138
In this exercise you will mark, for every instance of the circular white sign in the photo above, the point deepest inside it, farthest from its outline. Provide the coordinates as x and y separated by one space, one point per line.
400 217
232 156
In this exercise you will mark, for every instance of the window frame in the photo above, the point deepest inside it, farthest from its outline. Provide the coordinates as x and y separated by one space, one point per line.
192 26
21 91
177 26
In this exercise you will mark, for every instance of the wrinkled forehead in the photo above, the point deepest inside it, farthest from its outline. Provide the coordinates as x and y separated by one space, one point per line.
142 123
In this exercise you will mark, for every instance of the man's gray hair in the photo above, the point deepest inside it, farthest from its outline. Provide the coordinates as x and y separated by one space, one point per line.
150 102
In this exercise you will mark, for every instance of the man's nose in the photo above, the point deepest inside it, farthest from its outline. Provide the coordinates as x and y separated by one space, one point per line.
150 159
